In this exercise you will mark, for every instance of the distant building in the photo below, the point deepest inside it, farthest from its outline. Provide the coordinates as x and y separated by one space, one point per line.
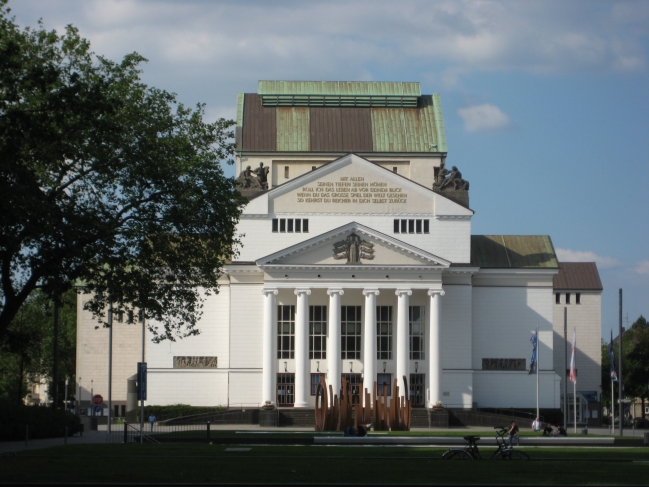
357 262
578 289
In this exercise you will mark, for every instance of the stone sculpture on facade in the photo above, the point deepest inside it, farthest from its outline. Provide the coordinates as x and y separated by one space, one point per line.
254 180
450 180
353 248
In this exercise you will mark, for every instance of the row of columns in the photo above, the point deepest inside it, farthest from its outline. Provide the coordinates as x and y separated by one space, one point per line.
334 362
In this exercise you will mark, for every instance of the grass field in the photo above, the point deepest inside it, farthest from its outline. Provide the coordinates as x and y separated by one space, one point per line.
174 463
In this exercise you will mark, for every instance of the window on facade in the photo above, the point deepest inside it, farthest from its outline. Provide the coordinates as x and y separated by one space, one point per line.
417 389
285 172
313 168
285 389
411 226
384 332
577 298
350 330
119 316
557 298
354 385
417 330
298 225
130 317
317 332
286 331
383 382
394 169
315 380
567 298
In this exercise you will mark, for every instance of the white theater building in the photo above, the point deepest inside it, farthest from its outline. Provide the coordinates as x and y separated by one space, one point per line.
353 266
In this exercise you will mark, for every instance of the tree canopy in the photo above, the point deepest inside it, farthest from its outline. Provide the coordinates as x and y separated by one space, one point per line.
107 183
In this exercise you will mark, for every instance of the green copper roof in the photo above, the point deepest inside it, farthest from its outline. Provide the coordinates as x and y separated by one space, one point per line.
240 99
339 93
513 251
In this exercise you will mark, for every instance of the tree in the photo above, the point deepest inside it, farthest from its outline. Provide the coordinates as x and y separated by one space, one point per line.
27 348
112 185
635 362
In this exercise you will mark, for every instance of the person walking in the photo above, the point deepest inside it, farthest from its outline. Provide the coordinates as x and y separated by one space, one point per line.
536 425
512 433
152 419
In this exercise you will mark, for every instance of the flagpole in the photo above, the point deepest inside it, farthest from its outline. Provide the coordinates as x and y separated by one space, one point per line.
612 408
538 357
574 384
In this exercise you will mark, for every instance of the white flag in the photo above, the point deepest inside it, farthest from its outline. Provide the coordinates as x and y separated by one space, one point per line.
573 369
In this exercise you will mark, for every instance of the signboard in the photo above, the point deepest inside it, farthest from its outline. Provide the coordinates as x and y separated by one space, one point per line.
97 410
196 362
141 381
97 399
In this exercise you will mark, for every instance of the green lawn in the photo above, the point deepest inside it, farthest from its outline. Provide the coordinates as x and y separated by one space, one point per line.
171 463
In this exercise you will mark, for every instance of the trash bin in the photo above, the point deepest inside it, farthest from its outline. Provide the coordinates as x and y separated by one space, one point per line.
584 431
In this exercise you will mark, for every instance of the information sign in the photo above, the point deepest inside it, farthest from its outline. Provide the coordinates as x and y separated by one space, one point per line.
141 381
97 410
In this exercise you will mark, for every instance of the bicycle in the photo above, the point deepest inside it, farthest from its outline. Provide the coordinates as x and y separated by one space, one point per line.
471 451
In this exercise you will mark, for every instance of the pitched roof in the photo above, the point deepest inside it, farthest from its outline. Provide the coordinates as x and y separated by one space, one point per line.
513 251
578 276
331 116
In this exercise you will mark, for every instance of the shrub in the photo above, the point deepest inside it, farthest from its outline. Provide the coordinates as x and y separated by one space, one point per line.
163 413
43 422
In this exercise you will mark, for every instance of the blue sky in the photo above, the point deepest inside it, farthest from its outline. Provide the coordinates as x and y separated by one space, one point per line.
546 104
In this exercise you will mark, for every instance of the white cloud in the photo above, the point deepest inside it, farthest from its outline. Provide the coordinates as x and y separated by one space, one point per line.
483 118
567 255
643 267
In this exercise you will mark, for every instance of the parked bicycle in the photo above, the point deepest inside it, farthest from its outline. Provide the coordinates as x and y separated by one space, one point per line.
471 451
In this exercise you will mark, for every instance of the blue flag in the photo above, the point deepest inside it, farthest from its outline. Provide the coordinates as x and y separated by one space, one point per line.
611 355
533 360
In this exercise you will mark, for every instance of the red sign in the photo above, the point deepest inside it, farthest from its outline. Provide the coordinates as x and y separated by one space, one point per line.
97 399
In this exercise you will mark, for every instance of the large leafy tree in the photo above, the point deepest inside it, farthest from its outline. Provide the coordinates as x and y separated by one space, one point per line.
107 183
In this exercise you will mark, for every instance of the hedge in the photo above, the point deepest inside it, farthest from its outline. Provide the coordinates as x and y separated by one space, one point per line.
43 422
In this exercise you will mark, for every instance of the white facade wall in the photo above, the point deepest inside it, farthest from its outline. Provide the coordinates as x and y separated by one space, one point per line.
92 356
586 319
456 329
246 321
448 239
193 387
245 388
515 389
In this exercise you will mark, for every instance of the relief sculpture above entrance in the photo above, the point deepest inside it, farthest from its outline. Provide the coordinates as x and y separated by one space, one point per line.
353 248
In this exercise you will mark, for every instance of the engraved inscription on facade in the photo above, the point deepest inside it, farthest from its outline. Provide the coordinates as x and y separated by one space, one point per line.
195 362
351 190
503 364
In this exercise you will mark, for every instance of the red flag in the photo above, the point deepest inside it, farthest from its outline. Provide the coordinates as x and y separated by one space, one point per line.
573 369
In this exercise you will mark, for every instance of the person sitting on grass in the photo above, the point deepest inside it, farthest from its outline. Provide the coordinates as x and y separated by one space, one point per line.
548 431
561 431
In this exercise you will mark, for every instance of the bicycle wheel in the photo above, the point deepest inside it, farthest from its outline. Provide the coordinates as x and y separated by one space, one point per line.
457 455
511 454
518 455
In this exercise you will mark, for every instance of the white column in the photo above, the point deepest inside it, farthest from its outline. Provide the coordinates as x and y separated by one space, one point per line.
369 341
434 342
302 369
403 348
333 339
269 347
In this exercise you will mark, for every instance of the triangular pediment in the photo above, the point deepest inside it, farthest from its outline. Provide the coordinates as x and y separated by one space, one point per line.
353 185
353 244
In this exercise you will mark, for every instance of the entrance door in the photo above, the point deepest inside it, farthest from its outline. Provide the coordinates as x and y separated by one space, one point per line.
418 390
285 389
